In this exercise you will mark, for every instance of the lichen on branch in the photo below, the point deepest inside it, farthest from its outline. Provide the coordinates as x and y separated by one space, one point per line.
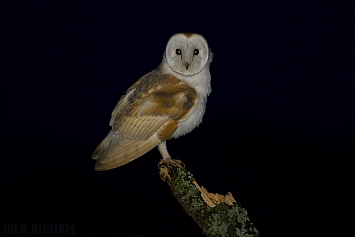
216 214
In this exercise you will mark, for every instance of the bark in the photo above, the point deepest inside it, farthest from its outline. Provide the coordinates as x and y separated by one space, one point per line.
216 214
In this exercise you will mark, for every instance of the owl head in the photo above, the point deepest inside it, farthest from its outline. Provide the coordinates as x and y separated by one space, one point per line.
187 54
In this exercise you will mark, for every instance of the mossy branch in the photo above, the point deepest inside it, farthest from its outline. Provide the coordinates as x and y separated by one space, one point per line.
217 215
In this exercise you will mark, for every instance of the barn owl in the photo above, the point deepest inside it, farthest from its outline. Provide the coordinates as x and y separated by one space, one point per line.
166 103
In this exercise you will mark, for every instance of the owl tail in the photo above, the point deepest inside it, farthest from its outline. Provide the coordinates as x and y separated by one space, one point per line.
101 147
114 151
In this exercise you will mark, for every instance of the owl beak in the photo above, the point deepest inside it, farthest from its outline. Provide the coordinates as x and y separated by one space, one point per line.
187 65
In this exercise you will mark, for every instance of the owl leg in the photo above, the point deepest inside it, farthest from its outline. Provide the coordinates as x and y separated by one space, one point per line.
164 151
166 157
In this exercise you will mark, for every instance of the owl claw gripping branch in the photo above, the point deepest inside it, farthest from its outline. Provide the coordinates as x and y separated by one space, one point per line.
166 103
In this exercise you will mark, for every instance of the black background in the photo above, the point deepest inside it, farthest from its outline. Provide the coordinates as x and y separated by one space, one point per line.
278 130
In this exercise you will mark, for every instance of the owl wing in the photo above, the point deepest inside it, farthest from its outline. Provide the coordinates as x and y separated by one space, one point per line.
147 115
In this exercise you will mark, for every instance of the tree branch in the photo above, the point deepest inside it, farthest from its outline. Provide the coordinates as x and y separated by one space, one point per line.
217 215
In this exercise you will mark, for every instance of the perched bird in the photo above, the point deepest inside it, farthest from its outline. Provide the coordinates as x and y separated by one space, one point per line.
166 103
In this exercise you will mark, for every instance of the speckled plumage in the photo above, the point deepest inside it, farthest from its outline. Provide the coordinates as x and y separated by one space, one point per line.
167 102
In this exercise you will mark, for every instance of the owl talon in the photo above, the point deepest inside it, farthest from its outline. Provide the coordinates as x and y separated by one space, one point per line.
174 162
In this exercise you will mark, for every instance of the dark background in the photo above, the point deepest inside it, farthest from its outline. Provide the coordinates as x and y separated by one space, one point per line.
278 130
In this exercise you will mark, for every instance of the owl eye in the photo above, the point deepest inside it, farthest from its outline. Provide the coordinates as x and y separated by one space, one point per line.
196 52
178 51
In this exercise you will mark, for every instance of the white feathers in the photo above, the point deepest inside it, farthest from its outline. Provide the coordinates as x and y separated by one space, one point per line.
199 78
187 54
